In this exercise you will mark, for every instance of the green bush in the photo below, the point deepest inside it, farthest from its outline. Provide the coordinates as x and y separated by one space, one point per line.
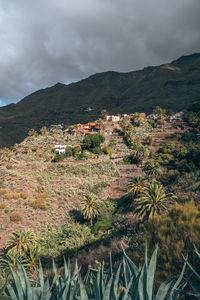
92 141
69 152
59 157
108 150
96 150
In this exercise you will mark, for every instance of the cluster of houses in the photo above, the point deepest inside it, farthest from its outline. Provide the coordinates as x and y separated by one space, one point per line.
83 129
96 127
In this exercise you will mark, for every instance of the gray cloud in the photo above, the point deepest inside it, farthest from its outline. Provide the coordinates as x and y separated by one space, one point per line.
43 42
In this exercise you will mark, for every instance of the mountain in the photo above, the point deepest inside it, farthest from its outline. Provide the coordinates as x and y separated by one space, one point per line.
172 86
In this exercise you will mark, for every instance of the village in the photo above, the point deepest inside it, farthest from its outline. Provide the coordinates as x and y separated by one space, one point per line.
109 126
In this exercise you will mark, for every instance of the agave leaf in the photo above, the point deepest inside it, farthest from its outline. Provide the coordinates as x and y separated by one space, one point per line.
116 281
196 251
140 285
133 267
55 268
146 254
195 288
102 285
66 271
164 289
46 291
41 275
151 270
173 290
83 291
126 295
25 281
107 293
134 290
145 293
17 285
110 270
86 278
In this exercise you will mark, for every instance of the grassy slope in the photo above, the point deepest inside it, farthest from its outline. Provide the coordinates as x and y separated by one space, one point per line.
171 86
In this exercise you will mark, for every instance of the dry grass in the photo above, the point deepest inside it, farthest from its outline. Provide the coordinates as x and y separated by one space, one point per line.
14 196
3 205
40 202
3 192
16 216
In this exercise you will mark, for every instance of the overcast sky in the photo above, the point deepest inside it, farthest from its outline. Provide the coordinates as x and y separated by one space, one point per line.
43 42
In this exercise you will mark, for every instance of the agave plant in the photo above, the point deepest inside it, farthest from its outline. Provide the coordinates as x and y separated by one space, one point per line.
129 282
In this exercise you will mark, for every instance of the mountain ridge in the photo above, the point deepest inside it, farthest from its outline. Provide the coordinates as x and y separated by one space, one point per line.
172 86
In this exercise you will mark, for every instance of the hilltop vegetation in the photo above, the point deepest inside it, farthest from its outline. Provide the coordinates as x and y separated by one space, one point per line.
172 86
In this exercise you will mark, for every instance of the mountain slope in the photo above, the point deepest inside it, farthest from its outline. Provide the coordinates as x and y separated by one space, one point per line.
171 86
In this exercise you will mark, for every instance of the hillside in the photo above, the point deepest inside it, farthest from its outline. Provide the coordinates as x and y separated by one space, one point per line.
171 86
102 192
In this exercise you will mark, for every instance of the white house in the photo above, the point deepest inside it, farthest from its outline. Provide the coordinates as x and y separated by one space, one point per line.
60 148
177 116
113 118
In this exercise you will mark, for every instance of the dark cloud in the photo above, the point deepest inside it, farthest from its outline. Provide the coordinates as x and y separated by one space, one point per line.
43 42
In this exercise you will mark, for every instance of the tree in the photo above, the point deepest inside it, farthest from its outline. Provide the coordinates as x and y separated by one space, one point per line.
136 185
92 141
104 113
153 200
139 153
99 122
89 207
161 116
152 168
32 132
19 242
176 233
44 130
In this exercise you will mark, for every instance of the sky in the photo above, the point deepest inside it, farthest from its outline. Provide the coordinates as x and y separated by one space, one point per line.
43 42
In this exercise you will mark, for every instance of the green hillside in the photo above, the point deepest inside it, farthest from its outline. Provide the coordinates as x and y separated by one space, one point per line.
171 86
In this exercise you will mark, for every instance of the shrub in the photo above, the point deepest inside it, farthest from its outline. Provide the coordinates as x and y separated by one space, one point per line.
59 157
3 192
76 150
16 216
69 152
3 205
92 141
13 196
176 234
9 166
40 202
96 150
108 150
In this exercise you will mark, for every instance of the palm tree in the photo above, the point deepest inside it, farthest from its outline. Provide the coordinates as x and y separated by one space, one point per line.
152 168
153 200
19 242
89 207
136 184
139 153
104 113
